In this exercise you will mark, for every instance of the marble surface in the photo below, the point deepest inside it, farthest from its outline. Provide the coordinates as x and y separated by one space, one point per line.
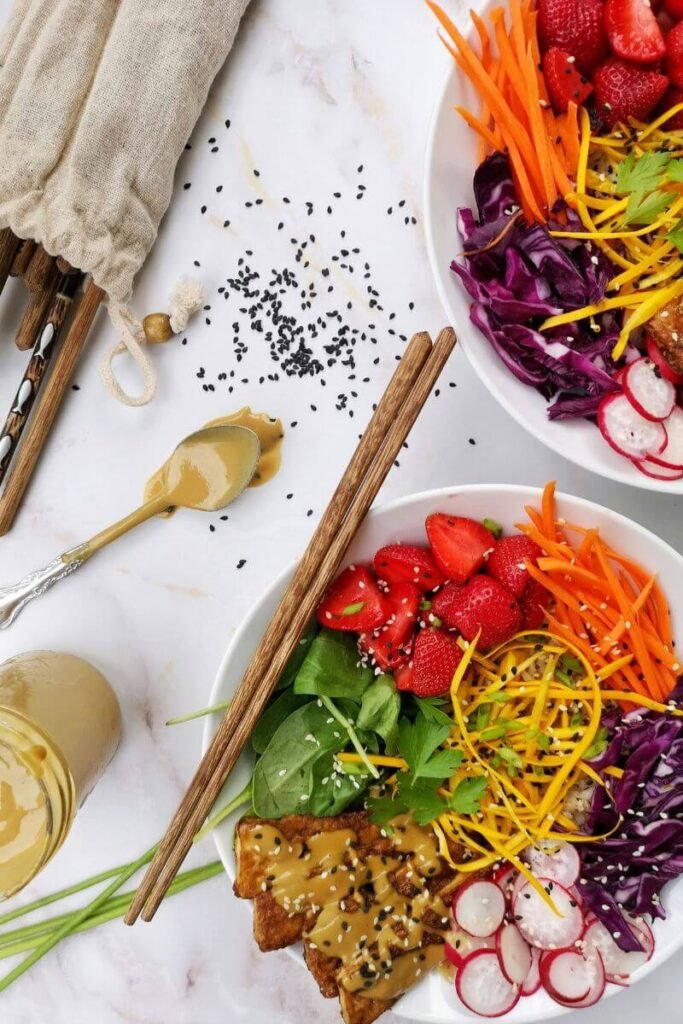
322 98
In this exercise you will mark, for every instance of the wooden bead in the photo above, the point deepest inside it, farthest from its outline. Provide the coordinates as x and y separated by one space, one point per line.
157 328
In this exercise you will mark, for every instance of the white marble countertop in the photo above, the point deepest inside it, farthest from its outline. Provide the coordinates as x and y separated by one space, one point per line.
321 98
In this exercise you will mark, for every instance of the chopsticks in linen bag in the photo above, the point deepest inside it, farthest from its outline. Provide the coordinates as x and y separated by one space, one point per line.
379 446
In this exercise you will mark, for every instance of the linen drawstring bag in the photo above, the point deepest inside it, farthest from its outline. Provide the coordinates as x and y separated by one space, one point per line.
97 100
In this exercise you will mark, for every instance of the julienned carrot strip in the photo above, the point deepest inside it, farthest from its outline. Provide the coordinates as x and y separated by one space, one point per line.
525 192
548 510
635 635
538 129
484 39
485 133
513 132
569 128
556 155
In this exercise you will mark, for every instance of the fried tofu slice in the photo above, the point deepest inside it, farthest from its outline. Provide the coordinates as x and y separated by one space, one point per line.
666 330
275 927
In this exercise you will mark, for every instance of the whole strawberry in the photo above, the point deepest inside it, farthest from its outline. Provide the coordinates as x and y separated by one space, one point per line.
485 604
507 563
576 26
443 602
436 656
674 56
625 90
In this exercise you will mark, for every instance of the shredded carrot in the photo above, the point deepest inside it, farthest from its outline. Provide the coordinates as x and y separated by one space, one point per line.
516 116
605 604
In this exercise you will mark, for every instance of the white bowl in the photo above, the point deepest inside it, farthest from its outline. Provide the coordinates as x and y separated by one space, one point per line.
450 163
434 1001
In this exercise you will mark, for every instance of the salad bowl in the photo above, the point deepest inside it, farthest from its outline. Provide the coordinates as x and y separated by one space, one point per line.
433 1001
450 163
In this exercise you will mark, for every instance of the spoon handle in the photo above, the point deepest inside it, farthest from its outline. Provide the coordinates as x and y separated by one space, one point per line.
15 597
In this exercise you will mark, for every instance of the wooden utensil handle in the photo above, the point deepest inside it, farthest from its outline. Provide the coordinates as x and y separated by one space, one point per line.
43 348
47 406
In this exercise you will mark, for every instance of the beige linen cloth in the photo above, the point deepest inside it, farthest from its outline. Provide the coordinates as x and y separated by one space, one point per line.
97 100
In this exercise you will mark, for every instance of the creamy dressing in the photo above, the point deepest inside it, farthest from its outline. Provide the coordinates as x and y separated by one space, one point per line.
376 931
59 727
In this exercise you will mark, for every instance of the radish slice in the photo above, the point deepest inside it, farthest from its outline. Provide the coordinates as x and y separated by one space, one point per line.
650 468
461 945
532 982
628 432
597 986
671 456
619 965
650 394
558 861
504 877
540 925
483 987
479 907
566 975
661 363
514 954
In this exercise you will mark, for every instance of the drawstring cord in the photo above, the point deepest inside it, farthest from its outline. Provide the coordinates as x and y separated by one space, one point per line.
187 298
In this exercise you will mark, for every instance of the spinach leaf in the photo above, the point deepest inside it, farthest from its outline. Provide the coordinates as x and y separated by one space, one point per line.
296 658
333 792
288 777
273 717
331 668
379 711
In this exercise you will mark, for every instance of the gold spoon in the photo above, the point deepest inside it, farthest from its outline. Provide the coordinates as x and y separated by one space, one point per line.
207 471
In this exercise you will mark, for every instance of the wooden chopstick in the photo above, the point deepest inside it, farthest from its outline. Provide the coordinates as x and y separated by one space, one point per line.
407 392
9 244
35 436
44 345
41 277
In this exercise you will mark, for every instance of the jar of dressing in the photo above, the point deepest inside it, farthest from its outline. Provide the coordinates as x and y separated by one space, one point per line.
60 724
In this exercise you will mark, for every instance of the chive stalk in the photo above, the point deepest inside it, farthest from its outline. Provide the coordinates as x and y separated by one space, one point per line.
356 743
190 717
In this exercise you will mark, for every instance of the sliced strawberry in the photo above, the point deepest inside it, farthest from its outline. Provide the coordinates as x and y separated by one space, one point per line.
625 90
576 26
674 8
404 677
533 604
672 98
674 56
391 644
563 81
507 563
436 656
408 563
459 545
354 602
633 31
485 604
442 603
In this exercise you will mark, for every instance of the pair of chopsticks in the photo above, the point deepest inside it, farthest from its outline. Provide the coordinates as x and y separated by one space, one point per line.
52 286
379 446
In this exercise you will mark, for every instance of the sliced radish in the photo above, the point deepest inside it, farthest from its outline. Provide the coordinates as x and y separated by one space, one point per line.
650 394
628 432
540 925
671 456
661 363
650 468
619 965
643 933
483 987
532 982
514 954
566 974
479 907
597 986
459 945
504 876
558 861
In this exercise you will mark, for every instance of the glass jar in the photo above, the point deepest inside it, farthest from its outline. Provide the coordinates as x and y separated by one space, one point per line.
60 724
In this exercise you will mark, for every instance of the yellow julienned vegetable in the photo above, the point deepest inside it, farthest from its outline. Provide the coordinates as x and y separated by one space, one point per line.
526 726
